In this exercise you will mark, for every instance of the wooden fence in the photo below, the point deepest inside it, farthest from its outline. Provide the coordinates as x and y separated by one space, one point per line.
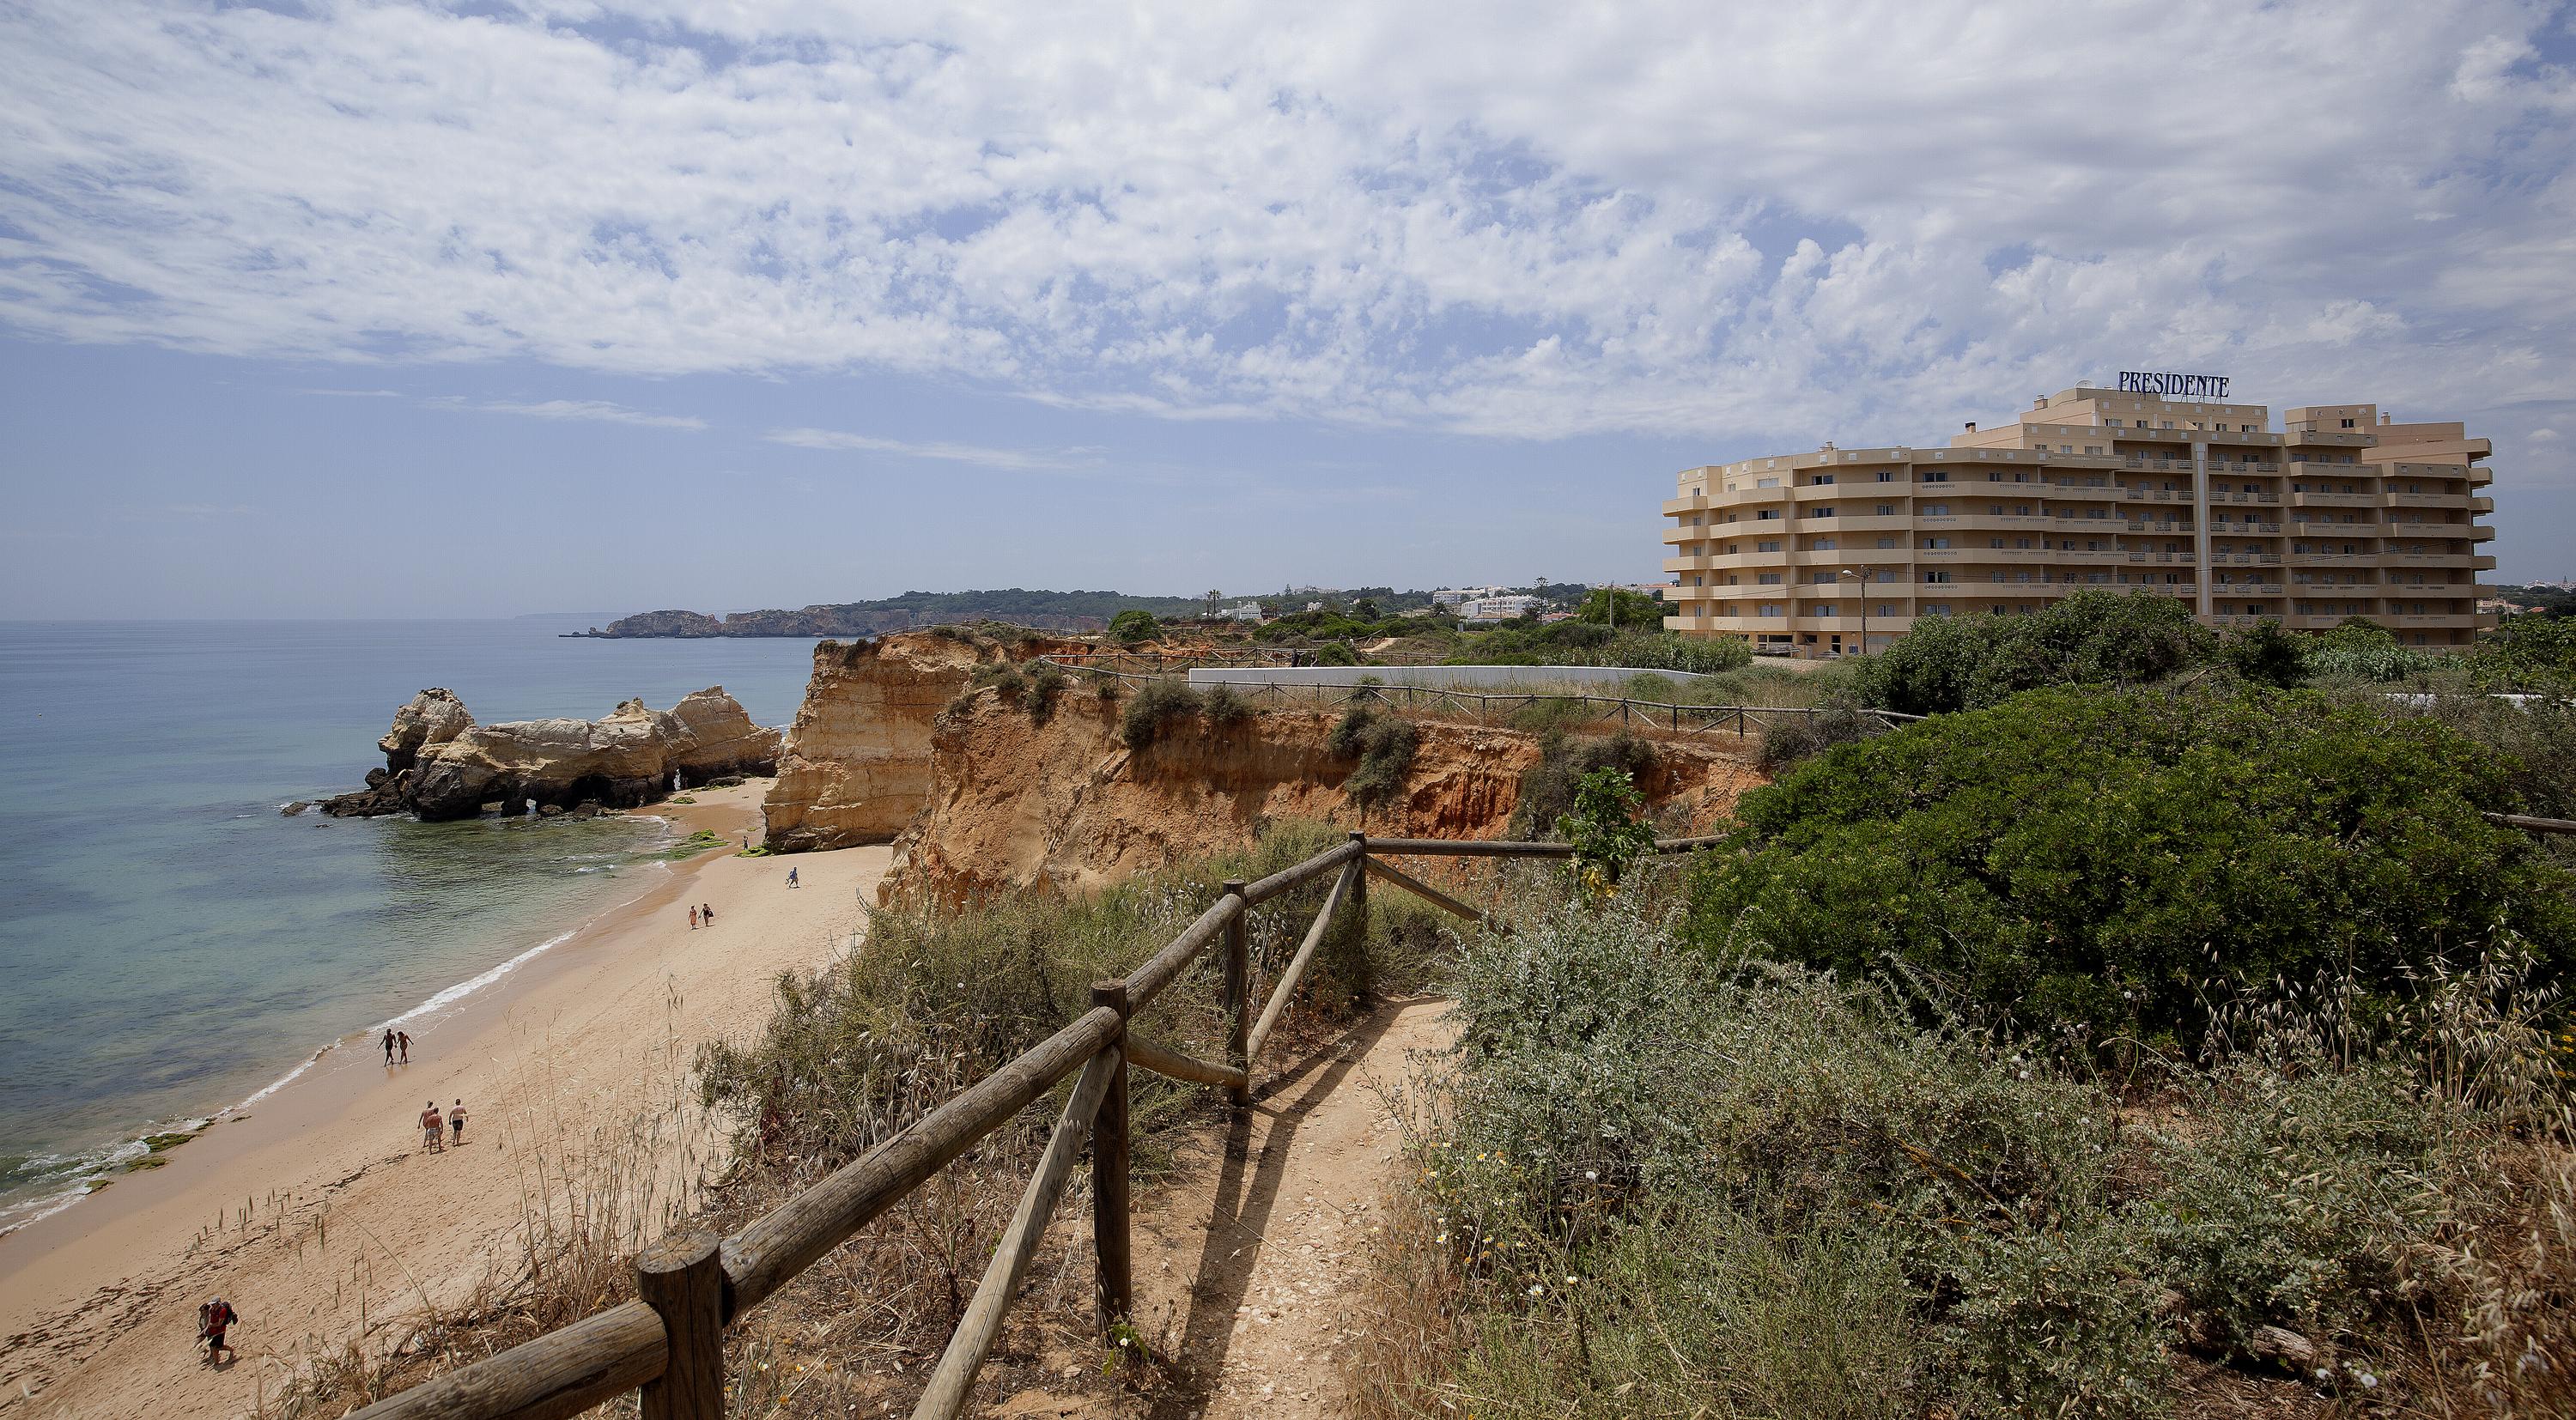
1492 707
670 1341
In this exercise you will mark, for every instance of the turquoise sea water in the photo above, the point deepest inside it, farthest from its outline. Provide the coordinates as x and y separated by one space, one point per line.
169 944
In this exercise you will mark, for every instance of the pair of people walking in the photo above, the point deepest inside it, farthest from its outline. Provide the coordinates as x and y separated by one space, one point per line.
397 1038
431 1120
701 915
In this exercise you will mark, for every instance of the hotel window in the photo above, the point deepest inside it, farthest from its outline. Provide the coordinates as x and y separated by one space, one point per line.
1825 609
1767 515
1768 579
1823 479
1824 544
2092 448
1936 542
1820 512
1886 475
1822 579
1936 476
1936 510
1994 542
1936 576
1886 510
1766 547
1937 609
1768 609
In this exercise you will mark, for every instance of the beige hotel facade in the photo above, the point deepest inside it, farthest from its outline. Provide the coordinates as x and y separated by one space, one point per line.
2340 513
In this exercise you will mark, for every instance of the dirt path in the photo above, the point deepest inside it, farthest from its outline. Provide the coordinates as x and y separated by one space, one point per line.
1245 1262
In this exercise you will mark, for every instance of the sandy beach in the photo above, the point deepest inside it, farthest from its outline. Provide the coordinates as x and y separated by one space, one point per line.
317 1210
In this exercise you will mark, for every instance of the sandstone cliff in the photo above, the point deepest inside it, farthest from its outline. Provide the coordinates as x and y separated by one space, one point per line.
1064 803
439 764
856 764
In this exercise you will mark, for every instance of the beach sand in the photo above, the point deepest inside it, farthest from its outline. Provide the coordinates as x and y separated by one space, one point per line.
317 1211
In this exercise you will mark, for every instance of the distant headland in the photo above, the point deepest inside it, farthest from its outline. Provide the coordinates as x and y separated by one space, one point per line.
1049 611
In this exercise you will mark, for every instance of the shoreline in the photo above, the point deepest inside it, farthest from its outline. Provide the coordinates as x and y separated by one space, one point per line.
102 1167
310 1204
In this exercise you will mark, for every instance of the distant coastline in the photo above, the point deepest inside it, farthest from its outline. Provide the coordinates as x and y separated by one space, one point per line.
1045 611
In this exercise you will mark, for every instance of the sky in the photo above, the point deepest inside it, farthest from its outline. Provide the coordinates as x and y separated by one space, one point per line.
370 308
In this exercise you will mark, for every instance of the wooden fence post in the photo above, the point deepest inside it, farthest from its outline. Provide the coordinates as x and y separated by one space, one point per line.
1359 888
1109 1200
682 1278
1238 990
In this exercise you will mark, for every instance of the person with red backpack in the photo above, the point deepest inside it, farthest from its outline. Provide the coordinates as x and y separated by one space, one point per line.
213 1320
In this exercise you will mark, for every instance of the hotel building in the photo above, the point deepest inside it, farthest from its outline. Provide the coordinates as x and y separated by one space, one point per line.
2342 513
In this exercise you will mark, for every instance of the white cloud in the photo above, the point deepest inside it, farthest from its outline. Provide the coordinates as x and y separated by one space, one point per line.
592 410
1017 460
1672 218
2544 436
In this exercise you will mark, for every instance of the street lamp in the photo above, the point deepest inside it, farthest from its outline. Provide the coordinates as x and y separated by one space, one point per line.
1856 575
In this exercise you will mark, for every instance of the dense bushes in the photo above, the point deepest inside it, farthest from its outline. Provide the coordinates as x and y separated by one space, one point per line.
2105 858
1960 663
1590 643
1667 1185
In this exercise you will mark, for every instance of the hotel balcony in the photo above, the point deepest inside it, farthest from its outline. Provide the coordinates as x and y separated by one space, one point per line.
2311 498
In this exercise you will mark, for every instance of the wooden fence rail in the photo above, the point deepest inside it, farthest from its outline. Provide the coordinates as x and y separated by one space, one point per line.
670 1342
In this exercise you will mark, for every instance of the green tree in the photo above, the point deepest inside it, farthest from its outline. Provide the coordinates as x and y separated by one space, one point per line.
1132 625
2090 638
1366 609
1615 607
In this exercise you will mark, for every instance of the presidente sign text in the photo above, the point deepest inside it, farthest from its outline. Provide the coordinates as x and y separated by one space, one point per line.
2173 384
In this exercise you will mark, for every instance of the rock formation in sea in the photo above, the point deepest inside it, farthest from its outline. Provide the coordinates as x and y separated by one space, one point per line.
439 764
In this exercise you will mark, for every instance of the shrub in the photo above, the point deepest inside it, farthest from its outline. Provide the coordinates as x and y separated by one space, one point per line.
1667 1184
1132 625
2091 638
1547 788
1791 740
2363 650
1608 829
1224 706
1383 744
1336 653
1155 706
2098 857
1046 681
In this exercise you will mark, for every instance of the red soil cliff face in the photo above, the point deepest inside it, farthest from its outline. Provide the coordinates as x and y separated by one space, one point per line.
856 764
1015 802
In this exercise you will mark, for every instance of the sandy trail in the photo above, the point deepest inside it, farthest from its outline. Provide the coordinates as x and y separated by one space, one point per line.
1247 1264
319 1211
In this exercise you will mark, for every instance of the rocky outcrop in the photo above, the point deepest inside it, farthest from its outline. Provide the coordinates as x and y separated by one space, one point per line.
433 717
439 764
1017 803
856 766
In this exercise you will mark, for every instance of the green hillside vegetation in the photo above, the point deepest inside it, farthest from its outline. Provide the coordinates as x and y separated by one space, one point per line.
2159 1029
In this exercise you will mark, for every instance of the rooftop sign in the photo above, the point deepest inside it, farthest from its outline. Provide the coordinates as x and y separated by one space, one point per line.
2173 384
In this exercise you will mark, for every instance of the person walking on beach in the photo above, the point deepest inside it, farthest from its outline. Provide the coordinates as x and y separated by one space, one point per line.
213 1320
432 1126
791 877
707 914
405 1038
456 1121
693 917
389 1045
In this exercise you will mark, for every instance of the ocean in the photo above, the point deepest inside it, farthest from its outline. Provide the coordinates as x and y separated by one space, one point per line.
171 945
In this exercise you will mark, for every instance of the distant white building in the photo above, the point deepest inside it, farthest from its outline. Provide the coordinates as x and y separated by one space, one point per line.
1248 612
1457 596
1491 609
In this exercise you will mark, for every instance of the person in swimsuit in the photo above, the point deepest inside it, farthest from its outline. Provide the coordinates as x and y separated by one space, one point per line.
456 1121
693 917
405 1038
389 1045
432 1126
706 914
